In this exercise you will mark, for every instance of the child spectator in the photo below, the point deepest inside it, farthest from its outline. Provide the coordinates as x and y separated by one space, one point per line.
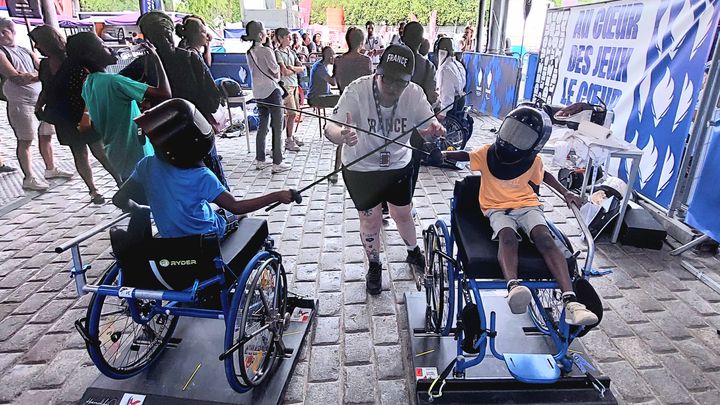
511 171
112 100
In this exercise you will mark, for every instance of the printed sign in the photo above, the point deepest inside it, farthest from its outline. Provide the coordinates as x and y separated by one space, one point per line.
300 315
645 60
425 373
132 399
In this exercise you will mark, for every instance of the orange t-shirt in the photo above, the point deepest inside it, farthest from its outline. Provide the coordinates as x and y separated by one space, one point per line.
504 194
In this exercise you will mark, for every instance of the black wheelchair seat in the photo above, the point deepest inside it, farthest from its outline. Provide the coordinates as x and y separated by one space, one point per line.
175 263
478 253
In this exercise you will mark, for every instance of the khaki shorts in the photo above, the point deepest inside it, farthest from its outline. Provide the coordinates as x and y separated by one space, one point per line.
292 100
518 218
23 121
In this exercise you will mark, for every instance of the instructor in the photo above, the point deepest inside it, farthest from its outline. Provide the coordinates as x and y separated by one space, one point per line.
386 103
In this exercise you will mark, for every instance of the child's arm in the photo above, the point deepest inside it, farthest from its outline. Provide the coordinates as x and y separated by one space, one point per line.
457 155
570 197
131 193
239 207
162 91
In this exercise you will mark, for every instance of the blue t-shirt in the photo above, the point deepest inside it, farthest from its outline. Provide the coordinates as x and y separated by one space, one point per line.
180 198
319 85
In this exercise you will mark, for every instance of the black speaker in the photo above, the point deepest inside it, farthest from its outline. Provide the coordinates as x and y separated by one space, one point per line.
641 229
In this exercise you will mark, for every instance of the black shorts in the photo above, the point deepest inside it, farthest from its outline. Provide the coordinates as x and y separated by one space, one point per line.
369 189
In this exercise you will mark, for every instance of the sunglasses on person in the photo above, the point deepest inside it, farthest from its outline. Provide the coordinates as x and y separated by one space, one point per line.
394 83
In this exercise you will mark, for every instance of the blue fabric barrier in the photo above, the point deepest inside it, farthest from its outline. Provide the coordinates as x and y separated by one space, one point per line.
233 66
532 65
492 82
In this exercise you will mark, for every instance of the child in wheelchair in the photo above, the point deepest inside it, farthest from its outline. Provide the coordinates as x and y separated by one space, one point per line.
175 182
511 172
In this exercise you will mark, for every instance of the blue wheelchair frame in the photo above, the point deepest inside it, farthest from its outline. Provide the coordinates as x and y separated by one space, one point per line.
525 371
228 313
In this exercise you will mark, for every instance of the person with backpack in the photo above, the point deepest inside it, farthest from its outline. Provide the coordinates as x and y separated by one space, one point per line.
18 65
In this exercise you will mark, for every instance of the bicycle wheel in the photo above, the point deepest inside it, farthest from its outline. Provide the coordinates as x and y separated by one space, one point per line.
438 296
122 348
455 133
258 323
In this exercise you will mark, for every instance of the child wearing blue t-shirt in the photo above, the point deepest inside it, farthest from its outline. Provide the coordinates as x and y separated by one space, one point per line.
175 183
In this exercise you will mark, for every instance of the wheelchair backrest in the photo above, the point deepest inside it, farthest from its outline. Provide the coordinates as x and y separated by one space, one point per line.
164 263
466 194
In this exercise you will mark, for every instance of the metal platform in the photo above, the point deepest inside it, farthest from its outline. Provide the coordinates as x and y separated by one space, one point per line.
490 381
190 373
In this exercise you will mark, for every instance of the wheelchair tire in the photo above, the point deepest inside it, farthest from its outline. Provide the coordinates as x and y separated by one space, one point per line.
552 305
437 297
455 138
258 307
120 347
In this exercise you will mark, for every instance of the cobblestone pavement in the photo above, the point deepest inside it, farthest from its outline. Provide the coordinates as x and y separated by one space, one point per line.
658 341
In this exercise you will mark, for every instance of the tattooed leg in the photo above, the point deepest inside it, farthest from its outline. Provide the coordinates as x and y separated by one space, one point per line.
370 225
405 224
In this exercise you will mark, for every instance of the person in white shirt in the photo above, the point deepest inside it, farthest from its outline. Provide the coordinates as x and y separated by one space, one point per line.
450 75
389 104
265 73
374 45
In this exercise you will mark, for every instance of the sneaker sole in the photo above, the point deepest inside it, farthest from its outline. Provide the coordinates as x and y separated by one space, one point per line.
585 323
519 302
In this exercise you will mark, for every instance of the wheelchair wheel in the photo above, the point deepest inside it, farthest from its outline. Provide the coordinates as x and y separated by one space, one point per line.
552 305
120 347
258 323
455 133
437 297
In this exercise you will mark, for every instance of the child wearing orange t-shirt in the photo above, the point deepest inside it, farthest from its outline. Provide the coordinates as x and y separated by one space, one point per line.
511 173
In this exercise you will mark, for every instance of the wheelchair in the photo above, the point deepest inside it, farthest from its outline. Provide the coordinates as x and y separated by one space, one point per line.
136 306
454 305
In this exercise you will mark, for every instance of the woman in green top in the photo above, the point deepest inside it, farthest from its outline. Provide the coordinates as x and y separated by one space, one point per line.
112 100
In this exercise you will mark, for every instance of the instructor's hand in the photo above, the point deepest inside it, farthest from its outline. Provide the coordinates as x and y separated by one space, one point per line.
349 136
435 129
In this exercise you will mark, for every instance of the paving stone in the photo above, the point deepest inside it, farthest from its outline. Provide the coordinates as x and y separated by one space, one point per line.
329 304
24 338
644 301
384 330
296 387
33 303
11 324
382 304
666 386
7 360
707 293
389 363
323 393
393 392
358 348
355 272
324 364
330 281
306 272
635 350
629 384
52 311
670 325
628 311
707 397
83 376
355 293
17 379
38 397
697 303
600 347
332 261
686 315
356 318
614 326
357 389
709 337
699 354
327 330
60 368
687 373
653 337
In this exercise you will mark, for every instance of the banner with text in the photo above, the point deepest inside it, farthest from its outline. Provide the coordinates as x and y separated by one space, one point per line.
492 82
645 60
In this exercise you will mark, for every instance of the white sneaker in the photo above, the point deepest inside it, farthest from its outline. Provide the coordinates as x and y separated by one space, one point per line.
577 314
298 142
291 146
57 173
31 183
260 165
282 167
518 299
